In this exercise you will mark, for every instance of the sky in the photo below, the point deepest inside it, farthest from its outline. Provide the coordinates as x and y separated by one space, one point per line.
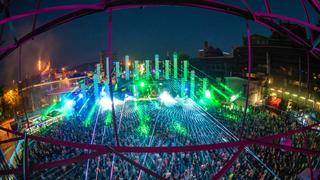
139 33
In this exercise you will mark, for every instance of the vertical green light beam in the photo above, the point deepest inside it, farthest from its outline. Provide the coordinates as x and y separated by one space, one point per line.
147 69
136 70
117 69
167 71
108 118
156 57
107 71
192 84
127 66
88 119
185 70
204 85
175 65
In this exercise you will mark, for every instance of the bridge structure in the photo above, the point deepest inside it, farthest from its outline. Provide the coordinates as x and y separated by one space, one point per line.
267 19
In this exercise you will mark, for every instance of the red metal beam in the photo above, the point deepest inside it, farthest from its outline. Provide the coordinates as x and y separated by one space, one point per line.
51 9
229 164
10 140
315 4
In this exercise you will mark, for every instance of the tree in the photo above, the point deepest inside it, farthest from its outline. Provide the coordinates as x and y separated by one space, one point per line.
12 97
11 100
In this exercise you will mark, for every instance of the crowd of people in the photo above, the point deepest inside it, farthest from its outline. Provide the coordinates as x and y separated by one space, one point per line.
150 123
262 121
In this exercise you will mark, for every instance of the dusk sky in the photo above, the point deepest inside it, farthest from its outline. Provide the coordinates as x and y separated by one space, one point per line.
138 32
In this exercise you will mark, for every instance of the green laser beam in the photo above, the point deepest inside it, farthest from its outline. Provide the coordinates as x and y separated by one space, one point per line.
108 118
88 119
220 92
226 88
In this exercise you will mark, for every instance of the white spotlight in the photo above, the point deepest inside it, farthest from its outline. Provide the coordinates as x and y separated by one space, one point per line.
105 103
167 99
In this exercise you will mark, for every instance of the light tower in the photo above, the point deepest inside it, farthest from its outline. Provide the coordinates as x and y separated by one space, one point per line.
192 83
107 71
147 69
98 72
156 58
95 86
167 70
117 69
175 65
102 63
127 67
136 70
185 70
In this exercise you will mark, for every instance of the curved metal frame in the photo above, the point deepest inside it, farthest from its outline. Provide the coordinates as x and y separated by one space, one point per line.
266 19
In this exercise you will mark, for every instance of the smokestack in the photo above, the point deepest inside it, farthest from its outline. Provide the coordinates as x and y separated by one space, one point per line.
206 46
